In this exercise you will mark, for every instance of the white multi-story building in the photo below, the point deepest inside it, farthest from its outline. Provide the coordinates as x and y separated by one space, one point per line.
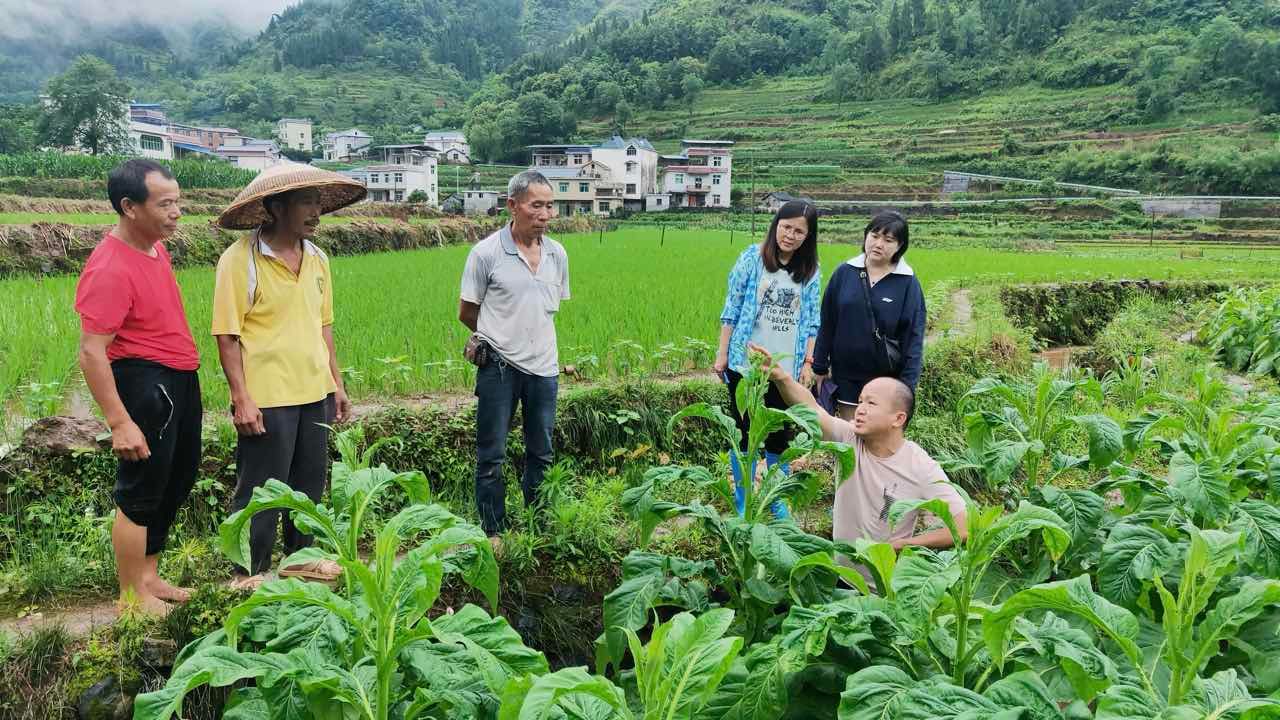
701 176
395 183
250 153
633 163
294 133
452 144
345 144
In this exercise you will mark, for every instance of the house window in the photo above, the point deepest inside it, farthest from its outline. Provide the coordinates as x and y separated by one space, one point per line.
631 188
604 206
386 178
399 177
715 179
631 150
679 179
301 136
715 199
715 161
564 187
399 195
433 169
631 166
151 142
658 202
584 187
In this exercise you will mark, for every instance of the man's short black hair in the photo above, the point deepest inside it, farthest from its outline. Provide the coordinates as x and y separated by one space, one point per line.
904 398
129 180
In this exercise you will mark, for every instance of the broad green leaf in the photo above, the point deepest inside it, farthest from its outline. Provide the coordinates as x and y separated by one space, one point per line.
1200 485
1020 523
490 641
1225 696
530 698
849 623
938 507
693 659
216 666
641 503
725 425
1058 644
1229 615
1127 702
293 590
246 704
1259 522
1132 557
1138 428
1075 596
756 686
878 557
1081 510
920 581
626 608
875 693
1025 690
823 561
1106 439
233 534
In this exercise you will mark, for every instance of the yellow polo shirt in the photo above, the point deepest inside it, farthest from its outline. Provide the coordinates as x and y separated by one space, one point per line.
278 317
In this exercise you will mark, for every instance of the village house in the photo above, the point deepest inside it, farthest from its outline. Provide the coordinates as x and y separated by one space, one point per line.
634 164
700 176
452 145
155 137
250 153
479 202
346 144
395 183
294 133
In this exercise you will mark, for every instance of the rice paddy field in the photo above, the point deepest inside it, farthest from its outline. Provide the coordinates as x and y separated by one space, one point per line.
642 301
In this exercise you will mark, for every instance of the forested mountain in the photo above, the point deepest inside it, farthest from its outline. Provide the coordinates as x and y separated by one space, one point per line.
519 71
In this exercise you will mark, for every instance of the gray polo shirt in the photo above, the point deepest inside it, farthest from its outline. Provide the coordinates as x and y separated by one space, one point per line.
517 307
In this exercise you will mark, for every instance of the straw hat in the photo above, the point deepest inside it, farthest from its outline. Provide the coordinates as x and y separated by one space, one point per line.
248 212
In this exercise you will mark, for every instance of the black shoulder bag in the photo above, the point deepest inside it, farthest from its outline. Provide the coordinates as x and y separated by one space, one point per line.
887 349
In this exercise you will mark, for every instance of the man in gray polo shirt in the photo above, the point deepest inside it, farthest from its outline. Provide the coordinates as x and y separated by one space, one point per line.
512 286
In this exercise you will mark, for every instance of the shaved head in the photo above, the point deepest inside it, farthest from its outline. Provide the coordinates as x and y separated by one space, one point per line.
896 392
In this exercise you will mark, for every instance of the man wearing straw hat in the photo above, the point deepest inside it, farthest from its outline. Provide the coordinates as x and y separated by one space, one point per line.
273 320
512 286
139 361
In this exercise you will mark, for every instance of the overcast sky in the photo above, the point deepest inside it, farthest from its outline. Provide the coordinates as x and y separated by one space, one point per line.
28 18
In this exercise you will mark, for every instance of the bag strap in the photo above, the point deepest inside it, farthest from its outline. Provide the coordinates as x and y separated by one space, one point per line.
866 296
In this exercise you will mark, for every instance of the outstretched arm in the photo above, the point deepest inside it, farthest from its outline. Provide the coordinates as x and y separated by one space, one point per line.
796 394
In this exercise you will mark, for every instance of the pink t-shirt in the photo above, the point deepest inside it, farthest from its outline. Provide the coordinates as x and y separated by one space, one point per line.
864 498
127 293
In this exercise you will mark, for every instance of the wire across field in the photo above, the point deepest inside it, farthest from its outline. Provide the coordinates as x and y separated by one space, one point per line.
396 313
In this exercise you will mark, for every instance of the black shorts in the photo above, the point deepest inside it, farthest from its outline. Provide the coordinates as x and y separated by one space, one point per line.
165 404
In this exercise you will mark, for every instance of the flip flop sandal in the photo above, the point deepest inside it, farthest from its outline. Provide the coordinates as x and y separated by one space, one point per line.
313 571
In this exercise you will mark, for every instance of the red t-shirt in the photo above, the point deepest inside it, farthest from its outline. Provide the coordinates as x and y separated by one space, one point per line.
126 292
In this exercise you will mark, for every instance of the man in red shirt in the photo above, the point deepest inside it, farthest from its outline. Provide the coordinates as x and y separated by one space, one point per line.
139 361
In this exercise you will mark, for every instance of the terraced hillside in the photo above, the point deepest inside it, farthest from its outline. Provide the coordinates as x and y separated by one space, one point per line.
788 139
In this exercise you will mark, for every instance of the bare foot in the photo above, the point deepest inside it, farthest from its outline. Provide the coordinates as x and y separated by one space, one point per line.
163 590
146 604
247 582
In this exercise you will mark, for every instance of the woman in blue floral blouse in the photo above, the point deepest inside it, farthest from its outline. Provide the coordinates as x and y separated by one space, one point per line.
773 300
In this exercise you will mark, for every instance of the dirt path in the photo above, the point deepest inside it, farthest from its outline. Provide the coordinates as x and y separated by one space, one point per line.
961 317
79 620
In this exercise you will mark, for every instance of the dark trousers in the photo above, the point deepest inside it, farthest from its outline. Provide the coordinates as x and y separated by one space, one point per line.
294 450
165 405
499 388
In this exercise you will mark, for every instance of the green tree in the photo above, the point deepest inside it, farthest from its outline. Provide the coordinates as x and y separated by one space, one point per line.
1222 48
874 54
692 86
1265 72
17 131
844 82
622 113
946 27
970 33
87 107
919 18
